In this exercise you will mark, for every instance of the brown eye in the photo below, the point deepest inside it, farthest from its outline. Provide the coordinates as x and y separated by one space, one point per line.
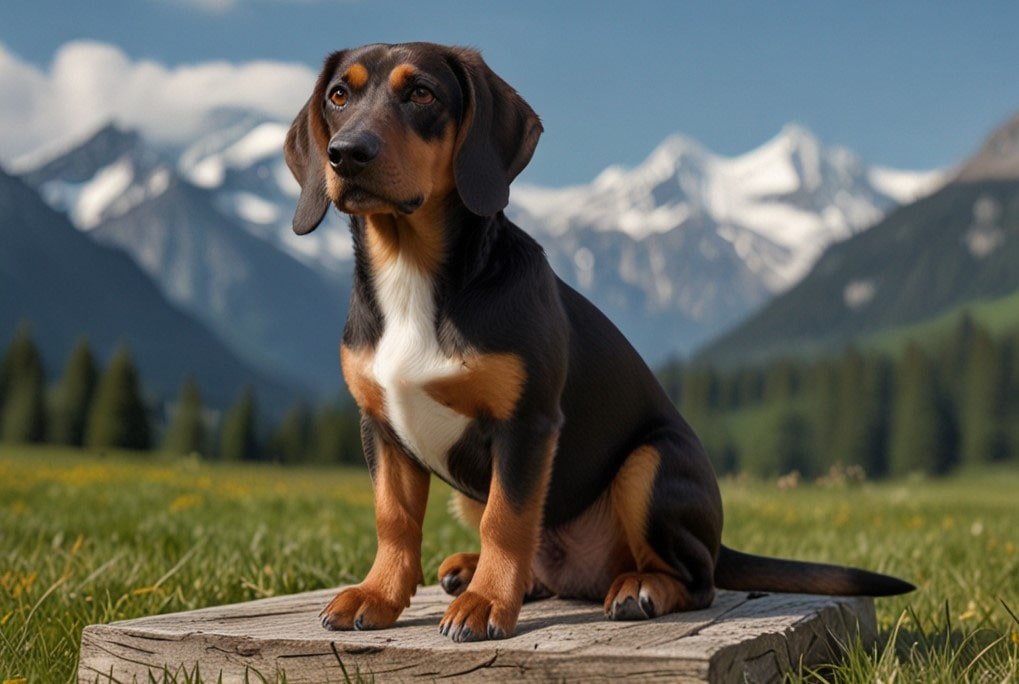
422 96
338 97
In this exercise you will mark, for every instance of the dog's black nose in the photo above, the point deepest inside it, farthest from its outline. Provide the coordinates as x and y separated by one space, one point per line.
349 154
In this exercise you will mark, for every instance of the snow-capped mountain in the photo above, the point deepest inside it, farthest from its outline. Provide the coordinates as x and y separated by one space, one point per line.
674 250
937 257
689 242
241 161
271 309
66 285
778 206
102 176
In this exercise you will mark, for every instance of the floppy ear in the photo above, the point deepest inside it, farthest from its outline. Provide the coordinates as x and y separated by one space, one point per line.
308 166
497 136
303 150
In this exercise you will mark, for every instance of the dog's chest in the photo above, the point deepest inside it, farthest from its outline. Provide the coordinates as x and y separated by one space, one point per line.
407 358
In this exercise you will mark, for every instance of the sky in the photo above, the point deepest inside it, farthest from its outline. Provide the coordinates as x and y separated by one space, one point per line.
911 85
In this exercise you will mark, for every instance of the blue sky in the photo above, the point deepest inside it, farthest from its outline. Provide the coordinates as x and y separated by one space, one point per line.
912 85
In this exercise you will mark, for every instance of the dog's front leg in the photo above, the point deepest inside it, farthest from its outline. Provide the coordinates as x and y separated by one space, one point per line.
522 454
401 493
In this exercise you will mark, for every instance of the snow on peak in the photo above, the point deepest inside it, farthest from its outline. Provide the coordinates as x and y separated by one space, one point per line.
905 186
240 146
792 192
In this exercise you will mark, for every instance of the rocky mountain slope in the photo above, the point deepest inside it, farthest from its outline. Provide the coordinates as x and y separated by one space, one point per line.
959 245
274 310
65 285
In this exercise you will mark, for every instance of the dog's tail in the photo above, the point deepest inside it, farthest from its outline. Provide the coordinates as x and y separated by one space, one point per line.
746 572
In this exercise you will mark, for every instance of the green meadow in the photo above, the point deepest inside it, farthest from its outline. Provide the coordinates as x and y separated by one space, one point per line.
88 537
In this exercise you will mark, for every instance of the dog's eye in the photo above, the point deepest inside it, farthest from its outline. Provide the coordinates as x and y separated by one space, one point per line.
338 96
421 95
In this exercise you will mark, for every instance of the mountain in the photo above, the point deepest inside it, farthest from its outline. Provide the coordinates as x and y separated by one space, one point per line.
957 246
998 159
66 285
698 241
240 160
675 250
273 310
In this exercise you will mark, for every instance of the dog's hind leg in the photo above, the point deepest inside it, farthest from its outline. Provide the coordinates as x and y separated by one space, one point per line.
667 504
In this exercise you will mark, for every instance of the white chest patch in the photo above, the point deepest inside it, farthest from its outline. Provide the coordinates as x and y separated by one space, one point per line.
407 357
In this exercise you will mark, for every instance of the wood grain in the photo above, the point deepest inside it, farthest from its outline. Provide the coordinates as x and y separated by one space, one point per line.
739 638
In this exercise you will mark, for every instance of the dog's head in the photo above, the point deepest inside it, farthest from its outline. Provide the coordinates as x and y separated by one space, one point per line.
390 128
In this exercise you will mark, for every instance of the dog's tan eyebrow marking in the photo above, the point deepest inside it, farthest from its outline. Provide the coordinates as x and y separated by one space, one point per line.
399 75
356 76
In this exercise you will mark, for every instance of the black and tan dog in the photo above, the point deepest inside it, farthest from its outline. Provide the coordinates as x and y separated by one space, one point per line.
471 360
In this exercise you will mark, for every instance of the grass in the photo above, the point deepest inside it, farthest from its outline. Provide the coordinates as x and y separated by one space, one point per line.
87 538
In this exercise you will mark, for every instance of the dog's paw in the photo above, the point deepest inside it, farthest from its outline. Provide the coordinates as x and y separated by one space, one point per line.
643 595
474 617
360 608
456 572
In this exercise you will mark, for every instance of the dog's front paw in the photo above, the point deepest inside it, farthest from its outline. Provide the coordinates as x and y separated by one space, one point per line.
475 617
456 572
360 607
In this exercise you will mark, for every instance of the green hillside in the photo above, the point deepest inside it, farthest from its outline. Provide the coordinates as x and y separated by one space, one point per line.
956 247
998 316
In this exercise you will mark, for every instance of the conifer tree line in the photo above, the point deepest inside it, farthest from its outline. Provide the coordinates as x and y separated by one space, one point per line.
930 408
104 408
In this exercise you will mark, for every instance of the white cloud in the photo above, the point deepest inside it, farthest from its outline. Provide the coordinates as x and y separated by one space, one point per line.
89 84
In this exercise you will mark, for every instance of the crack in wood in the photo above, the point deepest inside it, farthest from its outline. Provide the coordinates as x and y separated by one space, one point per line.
480 666
131 647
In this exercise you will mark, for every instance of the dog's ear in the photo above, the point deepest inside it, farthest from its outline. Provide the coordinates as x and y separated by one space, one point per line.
304 152
497 135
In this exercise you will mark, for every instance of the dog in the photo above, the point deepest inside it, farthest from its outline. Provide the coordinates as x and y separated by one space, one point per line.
471 360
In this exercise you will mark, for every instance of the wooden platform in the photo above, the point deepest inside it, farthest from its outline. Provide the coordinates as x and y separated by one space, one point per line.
740 638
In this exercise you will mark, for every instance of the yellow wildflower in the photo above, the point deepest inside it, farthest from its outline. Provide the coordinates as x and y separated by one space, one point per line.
184 502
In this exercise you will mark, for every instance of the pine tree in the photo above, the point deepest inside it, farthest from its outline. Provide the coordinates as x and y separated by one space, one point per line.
289 443
792 444
186 434
24 408
237 440
780 382
74 397
858 435
824 405
336 436
699 396
920 438
878 375
751 387
1012 394
955 354
981 404
786 447
118 418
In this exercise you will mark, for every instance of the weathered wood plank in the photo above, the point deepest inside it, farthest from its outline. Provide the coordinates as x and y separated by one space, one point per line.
739 638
